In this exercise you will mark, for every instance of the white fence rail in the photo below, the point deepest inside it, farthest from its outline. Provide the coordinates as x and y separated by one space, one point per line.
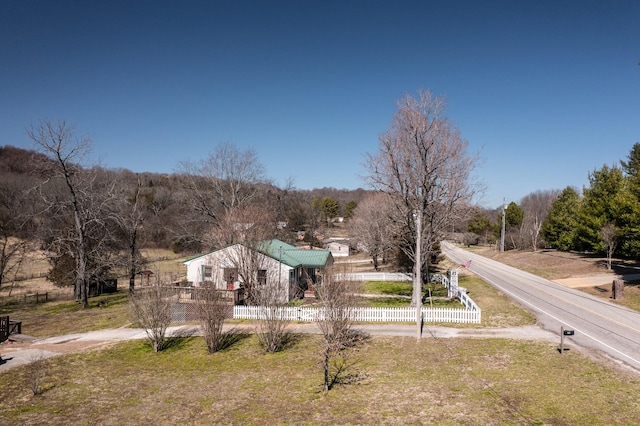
454 290
442 315
376 276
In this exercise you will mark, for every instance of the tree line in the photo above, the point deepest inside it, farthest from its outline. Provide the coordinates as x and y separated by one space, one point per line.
92 222
603 218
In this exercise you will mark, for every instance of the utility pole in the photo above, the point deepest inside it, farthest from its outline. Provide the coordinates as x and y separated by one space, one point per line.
417 283
504 217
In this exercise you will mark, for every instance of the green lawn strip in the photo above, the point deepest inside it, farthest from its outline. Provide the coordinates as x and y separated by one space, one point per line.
394 288
395 380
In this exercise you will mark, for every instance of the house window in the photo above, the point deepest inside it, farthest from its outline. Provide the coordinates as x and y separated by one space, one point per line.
230 275
207 271
262 276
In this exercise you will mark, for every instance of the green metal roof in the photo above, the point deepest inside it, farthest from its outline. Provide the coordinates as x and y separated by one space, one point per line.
287 254
293 256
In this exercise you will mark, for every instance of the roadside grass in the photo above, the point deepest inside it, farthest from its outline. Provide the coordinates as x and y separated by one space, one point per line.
393 380
631 298
497 309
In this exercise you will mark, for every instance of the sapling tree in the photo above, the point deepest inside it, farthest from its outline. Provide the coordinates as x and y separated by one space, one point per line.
337 299
151 308
212 311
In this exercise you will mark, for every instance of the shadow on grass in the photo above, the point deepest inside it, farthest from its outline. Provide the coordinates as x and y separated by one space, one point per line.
179 339
232 337
290 340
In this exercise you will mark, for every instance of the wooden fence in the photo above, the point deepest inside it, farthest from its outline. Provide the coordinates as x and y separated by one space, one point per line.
33 298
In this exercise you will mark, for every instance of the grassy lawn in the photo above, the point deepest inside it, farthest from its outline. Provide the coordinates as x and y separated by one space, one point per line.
497 309
57 318
394 381
395 288
388 289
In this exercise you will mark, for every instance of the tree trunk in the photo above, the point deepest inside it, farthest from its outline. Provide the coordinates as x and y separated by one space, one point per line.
132 263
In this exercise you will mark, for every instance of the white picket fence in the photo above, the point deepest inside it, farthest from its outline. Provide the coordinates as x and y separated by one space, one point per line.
454 290
376 276
471 313
440 315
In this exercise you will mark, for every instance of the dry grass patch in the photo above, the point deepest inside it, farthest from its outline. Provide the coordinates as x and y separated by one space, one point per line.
58 318
631 297
549 264
439 381
498 310
556 265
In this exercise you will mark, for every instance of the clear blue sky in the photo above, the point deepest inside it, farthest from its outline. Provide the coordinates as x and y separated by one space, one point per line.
547 90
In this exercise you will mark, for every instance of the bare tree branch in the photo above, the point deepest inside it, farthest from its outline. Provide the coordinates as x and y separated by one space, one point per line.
424 167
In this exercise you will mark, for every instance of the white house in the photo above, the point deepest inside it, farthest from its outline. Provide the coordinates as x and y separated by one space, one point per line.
284 267
338 248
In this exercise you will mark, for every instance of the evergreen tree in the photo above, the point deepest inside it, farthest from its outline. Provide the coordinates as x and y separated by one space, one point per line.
349 208
514 215
559 228
600 202
480 224
632 166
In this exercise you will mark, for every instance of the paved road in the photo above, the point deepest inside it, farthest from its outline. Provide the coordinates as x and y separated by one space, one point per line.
598 324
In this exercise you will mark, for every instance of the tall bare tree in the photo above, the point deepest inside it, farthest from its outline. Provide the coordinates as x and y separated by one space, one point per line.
247 232
423 165
224 181
129 213
265 288
609 235
71 191
372 225
272 326
14 219
536 207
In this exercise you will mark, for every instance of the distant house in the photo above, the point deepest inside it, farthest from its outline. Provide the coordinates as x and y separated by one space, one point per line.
338 247
288 269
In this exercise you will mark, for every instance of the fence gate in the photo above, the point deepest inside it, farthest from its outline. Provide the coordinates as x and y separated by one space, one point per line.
4 328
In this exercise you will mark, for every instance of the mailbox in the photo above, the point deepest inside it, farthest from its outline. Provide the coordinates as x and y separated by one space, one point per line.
567 332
